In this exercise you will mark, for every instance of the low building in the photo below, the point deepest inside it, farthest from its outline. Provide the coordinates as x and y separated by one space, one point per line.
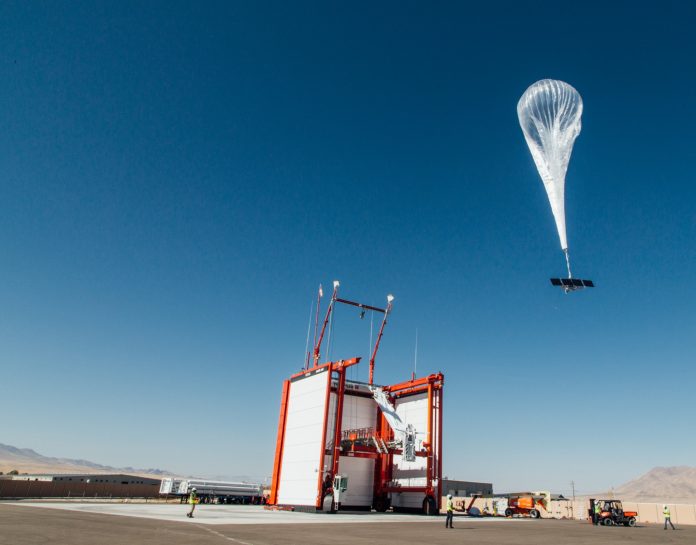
78 485
465 488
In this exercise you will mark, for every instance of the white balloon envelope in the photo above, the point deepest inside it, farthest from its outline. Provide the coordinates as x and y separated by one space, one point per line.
549 113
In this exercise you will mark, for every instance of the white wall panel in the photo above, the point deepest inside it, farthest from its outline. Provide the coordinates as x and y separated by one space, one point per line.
359 412
302 445
331 428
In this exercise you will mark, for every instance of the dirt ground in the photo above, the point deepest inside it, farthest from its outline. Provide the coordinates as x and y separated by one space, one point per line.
21 525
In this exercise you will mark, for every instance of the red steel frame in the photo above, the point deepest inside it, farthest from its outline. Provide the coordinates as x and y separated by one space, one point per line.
335 299
432 385
280 441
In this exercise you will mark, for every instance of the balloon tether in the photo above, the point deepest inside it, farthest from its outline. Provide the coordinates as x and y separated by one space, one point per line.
567 256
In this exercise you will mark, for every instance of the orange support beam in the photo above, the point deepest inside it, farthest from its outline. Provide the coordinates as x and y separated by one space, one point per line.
273 499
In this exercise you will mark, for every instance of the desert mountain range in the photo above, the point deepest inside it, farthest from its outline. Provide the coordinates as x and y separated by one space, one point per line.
673 484
26 460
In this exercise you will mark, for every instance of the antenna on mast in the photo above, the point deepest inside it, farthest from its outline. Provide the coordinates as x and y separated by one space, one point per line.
415 357
309 328
320 294
317 345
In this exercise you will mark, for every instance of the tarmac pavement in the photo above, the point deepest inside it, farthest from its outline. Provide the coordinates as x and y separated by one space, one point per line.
223 514
81 524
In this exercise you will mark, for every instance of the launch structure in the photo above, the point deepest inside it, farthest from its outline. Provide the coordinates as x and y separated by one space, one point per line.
346 444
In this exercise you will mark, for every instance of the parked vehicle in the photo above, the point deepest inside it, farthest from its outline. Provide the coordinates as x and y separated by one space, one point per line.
529 505
613 514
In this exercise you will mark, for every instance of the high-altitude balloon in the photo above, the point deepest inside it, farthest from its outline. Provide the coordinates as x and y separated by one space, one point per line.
549 113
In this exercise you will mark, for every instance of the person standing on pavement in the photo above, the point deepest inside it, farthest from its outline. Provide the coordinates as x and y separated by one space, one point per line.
193 499
450 512
597 511
668 517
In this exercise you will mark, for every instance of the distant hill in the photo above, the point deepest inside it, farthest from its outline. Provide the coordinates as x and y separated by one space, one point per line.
673 484
26 460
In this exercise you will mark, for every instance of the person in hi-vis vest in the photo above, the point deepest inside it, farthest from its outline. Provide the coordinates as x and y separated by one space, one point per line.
668 516
450 512
193 499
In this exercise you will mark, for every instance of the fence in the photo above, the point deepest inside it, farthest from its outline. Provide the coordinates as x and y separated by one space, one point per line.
648 513
58 489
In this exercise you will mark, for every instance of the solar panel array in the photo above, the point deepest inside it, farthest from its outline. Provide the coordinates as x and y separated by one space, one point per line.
572 283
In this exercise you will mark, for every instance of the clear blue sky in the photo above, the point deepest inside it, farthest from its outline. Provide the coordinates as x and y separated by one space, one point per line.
177 178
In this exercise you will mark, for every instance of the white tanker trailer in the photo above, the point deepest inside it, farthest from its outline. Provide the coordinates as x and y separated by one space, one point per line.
213 491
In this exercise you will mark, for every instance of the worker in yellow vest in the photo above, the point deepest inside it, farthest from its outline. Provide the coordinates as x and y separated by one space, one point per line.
668 517
193 499
597 512
450 512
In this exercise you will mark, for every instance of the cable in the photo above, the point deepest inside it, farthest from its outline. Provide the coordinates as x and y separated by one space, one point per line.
329 341
372 319
567 256
309 328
